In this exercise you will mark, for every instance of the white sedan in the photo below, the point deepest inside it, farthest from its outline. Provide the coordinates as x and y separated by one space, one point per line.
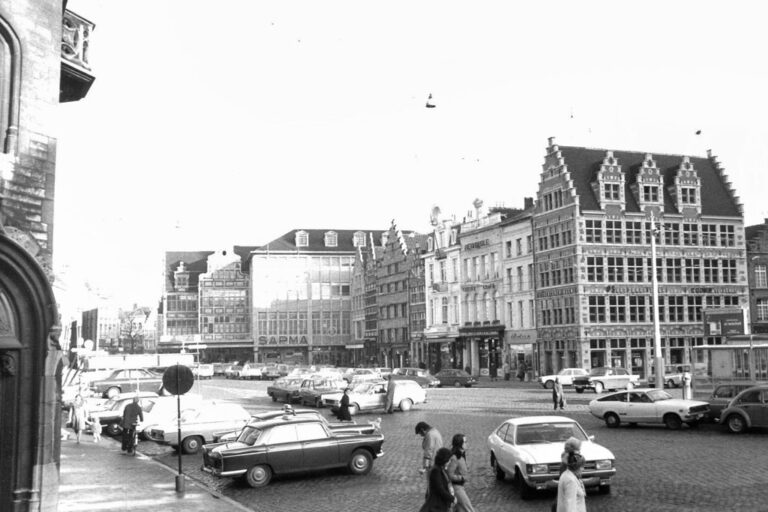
565 375
529 449
648 406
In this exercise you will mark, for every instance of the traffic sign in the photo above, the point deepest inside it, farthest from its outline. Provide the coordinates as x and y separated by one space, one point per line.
178 379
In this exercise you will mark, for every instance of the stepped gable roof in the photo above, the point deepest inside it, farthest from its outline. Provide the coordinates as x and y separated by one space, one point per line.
345 238
583 164
196 262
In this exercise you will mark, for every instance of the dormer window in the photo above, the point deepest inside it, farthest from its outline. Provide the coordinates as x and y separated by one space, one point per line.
688 196
612 191
650 194
302 239
331 239
358 239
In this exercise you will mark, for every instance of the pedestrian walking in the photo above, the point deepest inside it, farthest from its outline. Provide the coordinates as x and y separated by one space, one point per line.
505 369
440 497
131 416
390 395
78 416
458 472
571 495
521 372
432 441
343 413
558 395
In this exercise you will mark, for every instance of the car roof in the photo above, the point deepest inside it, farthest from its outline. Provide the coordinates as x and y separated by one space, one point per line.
283 419
751 388
131 394
534 420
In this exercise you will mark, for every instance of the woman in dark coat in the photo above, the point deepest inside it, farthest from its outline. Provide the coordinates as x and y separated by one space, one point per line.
440 494
343 413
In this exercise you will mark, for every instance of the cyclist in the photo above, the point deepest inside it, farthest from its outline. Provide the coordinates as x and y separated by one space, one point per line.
131 416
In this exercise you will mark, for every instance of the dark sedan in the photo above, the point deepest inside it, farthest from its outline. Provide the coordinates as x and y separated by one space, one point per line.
285 389
291 444
419 375
122 381
455 377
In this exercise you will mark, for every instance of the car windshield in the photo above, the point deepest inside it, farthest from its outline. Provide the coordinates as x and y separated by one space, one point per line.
548 433
249 435
658 395
361 388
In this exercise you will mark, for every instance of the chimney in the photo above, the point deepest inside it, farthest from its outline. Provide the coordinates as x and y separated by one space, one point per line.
528 203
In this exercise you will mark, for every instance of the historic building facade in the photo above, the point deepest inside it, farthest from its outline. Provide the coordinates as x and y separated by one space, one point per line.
757 270
301 296
180 318
596 213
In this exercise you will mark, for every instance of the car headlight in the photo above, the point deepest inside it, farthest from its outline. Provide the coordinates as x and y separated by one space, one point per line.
534 469
603 464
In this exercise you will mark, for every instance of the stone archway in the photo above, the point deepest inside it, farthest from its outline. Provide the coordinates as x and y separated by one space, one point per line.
30 373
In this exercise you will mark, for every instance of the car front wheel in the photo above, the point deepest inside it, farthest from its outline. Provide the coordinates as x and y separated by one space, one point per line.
498 471
191 444
114 429
673 421
361 462
406 405
549 384
736 424
612 420
599 387
526 491
258 476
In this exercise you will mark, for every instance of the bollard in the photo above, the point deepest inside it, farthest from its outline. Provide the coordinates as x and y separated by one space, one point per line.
687 385
180 484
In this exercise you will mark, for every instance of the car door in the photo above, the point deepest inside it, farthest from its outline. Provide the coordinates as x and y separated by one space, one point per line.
640 408
618 404
759 412
320 450
375 398
284 450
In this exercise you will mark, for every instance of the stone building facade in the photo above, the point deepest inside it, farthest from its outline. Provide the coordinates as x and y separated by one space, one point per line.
757 270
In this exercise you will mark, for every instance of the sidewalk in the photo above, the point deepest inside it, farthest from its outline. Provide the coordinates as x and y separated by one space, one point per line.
99 477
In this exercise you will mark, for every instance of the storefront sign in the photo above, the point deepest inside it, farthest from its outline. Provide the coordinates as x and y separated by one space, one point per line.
477 245
723 322
283 340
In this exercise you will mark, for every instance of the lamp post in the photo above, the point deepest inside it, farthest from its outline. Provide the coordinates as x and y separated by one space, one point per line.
658 358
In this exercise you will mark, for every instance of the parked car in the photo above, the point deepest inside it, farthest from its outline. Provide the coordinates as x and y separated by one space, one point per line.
366 396
346 426
122 381
383 371
723 394
603 378
270 372
202 371
291 444
250 371
529 449
673 375
748 410
565 375
285 389
420 375
110 413
648 405
233 371
219 368
164 409
361 375
455 377
314 388
199 425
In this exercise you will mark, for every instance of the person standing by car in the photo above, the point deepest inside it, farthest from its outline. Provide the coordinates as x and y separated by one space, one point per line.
458 472
571 495
558 395
78 416
343 413
440 496
390 395
432 441
131 416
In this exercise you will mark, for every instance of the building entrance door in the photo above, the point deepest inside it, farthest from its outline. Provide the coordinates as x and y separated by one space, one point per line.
638 363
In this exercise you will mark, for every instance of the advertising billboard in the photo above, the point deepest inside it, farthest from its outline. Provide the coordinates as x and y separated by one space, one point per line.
724 322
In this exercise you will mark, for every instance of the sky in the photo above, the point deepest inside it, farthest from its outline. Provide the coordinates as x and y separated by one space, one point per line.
213 124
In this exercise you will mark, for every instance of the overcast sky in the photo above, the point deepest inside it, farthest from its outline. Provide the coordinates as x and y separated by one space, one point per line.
212 124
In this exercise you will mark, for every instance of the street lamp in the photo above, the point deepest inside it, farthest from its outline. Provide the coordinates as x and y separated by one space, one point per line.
658 359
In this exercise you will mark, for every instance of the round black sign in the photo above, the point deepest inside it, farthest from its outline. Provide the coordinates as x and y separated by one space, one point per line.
178 379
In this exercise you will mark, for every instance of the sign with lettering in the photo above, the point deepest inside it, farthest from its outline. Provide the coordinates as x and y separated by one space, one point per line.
723 321
283 340
477 245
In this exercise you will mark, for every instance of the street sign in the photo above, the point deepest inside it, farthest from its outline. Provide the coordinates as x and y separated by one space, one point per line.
178 379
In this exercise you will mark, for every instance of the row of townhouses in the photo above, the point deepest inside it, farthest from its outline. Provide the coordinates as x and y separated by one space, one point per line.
563 281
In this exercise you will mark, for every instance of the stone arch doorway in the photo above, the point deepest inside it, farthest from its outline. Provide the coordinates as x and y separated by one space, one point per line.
30 370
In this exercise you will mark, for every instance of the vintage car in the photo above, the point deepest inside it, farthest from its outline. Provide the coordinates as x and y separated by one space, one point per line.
250 371
673 375
603 378
367 396
233 371
202 371
361 375
270 372
199 425
124 380
291 444
455 377
365 428
165 409
565 376
420 375
529 449
748 410
722 395
285 389
648 405
315 387
110 413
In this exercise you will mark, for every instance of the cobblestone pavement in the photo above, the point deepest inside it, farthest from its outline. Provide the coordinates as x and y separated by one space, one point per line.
702 469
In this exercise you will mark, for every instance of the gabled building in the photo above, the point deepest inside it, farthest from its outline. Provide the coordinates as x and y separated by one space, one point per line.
757 270
596 212
364 311
301 296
